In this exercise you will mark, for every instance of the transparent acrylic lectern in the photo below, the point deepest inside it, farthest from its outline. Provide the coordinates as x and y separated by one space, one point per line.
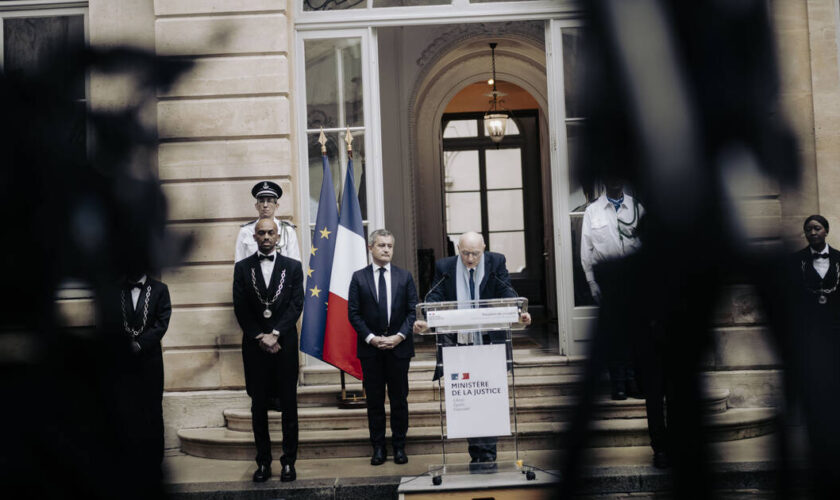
473 379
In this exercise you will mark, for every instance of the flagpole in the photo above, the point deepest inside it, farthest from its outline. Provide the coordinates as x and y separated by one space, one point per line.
354 400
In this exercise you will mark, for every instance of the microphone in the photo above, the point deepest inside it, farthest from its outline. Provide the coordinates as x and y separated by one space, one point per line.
441 280
504 283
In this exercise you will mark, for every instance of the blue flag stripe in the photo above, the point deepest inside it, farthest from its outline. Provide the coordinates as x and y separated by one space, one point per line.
316 292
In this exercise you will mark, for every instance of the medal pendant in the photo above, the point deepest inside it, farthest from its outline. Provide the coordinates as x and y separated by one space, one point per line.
822 299
267 313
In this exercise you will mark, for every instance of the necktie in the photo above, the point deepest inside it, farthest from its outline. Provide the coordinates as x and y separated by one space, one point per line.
383 301
132 286
819 256
476 335
268 257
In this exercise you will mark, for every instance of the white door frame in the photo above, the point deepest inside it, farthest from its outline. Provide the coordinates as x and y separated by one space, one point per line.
363 23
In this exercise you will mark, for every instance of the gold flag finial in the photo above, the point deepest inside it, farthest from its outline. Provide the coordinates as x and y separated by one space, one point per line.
348 138
323 140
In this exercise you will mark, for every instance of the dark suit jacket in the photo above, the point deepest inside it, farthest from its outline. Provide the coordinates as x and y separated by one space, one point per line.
489 288
148 363
249 313
818 316
495 284
363 310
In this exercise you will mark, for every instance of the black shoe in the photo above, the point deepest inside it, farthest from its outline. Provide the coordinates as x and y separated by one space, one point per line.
483 467
379 456
262 473
288 473
660 460
400 456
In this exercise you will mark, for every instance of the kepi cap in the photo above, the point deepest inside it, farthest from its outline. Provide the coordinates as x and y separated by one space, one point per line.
266 188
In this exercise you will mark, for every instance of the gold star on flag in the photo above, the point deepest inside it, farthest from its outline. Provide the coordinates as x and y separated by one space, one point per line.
325 233
315 291
309 272
313 250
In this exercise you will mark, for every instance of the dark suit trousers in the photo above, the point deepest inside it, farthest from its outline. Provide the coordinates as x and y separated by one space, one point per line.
658 388
279 371
380 371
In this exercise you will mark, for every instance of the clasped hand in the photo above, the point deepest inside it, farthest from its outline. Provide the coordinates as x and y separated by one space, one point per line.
268 343
385 343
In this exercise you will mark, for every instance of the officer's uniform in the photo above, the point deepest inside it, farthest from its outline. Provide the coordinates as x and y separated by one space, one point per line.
287 243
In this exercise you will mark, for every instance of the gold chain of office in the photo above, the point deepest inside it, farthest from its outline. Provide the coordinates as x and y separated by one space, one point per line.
135 333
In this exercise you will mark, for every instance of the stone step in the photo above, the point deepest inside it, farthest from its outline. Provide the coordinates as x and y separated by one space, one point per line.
222 443
422 391
427 414
526 363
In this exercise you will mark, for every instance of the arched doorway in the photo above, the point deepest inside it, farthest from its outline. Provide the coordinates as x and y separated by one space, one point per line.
450 94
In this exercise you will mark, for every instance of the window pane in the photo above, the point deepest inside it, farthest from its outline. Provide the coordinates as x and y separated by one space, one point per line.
333 4
352 67
577 197
573 66
504 210
511 128
31 42
334 69
402 3
504 168
461 128
463 212
335 143
460 170
512 245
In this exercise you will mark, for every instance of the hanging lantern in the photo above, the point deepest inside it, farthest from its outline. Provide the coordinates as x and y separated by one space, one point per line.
495 120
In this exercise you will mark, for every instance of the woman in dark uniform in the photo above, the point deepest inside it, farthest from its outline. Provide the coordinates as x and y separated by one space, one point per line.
817 340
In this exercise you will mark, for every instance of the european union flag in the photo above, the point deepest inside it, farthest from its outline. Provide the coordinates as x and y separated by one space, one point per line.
316 293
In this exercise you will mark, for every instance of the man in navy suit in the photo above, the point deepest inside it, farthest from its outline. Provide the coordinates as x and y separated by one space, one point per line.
381 304
471 275
267 301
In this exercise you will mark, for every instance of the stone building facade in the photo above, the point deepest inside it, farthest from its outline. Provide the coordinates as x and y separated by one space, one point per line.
236 119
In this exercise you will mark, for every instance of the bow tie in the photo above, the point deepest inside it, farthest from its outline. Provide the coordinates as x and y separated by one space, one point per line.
137 285
267 257
819 256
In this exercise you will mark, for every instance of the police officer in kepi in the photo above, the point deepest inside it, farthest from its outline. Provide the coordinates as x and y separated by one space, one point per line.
267 194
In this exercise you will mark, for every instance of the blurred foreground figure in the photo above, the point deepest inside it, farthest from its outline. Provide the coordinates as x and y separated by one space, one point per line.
679 95
87 209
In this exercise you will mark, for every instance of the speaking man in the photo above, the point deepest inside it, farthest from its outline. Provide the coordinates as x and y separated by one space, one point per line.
267 300
267 194
471 275
381 308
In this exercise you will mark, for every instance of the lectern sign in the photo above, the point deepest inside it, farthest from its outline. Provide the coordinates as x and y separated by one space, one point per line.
474 318
476 391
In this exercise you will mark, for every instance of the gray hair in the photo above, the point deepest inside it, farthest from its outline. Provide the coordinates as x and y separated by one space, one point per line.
376 234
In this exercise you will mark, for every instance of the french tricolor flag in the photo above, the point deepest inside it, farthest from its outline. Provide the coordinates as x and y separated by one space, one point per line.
350 256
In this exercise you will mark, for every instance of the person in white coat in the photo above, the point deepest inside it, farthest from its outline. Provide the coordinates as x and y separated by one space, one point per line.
267 194
609 232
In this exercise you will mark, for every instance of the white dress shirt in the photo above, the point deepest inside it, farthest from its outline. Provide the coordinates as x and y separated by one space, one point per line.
135 292
287 243
599 237
375 269
267 267
821 265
